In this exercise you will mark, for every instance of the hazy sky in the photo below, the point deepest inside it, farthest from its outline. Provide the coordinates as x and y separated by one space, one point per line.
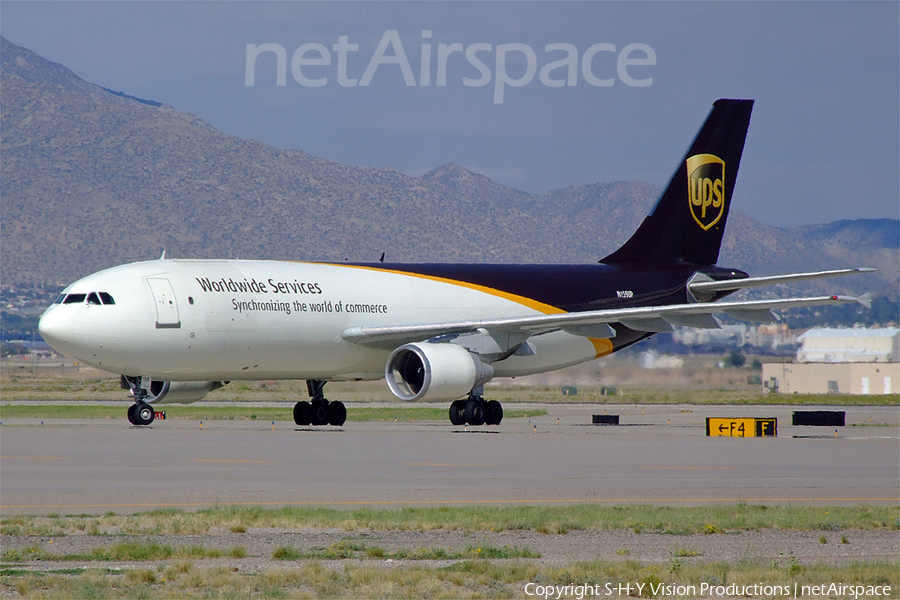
824 141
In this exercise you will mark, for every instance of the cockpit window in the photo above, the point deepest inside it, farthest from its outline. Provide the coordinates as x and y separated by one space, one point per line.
96 298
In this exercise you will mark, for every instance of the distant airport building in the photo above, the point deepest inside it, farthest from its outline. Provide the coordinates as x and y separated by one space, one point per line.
758 336
840 361
850 346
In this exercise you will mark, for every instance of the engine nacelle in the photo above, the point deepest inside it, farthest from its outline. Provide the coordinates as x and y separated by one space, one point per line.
427 371
174 392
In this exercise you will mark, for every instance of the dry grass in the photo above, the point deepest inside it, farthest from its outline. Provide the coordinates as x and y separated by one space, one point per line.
543 519
463 579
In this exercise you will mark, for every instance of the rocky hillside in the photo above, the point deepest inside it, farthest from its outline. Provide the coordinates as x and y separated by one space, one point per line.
93 178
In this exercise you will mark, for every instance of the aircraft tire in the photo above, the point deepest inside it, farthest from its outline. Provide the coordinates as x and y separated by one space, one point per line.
318 413
302 413
493 412
337 413
458 412
143 414
475 411
131 414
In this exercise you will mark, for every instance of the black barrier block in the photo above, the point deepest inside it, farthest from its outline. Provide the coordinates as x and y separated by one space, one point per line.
822 418
606 419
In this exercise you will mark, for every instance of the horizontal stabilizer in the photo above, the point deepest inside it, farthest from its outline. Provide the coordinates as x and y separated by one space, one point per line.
738 284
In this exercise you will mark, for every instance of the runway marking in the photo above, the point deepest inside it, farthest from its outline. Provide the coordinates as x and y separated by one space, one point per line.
708 468
449 464
39 457
465 502
222 460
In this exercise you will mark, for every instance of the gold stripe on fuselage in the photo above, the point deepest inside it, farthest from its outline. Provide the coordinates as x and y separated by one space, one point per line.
546 309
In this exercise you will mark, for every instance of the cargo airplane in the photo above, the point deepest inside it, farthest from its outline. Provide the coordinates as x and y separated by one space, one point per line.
177 329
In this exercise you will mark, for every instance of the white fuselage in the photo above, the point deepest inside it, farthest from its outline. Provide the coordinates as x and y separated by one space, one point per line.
189 320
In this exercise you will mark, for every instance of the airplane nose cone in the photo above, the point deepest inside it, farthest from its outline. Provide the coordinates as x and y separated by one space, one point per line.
55 329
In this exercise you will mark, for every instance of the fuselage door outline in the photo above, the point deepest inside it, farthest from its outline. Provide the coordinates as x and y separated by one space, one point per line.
164 300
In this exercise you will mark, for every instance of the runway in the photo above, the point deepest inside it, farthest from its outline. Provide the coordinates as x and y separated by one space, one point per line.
659 454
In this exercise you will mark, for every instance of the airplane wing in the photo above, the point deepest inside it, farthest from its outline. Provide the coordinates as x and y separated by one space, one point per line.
595 323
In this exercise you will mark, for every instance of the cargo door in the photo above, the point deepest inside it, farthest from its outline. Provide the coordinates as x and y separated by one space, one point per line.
166 307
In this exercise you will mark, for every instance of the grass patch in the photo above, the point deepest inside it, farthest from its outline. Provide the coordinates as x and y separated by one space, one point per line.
25 554
463 579
553 520
340 550
127 551
286 553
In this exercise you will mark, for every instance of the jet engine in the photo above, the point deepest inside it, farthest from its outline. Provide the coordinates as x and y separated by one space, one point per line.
427 371
175 392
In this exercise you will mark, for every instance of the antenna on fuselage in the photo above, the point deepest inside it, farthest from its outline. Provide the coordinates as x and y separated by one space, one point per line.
381 260
163 256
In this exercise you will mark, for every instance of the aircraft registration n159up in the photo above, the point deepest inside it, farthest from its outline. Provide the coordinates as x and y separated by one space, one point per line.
177 329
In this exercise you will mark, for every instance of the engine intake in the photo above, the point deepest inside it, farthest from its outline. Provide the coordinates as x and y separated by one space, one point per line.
427 371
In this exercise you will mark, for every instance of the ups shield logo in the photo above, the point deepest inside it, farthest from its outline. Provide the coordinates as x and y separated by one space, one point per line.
706 189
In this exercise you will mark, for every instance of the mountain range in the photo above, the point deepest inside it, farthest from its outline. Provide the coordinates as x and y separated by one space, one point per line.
92 178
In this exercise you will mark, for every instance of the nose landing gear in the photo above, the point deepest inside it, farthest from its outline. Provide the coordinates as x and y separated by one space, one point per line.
139 413
319 411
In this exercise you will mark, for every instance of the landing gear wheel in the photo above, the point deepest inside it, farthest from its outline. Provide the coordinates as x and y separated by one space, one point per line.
318 413
458 412
302 411
337 414
493 412
475 411
131 418
143 413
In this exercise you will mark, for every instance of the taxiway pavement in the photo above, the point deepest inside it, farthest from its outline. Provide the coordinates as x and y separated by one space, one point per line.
658 454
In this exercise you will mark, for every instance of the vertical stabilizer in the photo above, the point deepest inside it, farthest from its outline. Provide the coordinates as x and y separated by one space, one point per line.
688 220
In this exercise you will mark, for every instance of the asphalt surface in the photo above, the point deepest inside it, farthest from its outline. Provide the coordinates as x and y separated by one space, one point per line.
658 454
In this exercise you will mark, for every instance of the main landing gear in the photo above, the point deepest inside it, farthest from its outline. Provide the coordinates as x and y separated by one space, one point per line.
139 413
475 411
319 411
